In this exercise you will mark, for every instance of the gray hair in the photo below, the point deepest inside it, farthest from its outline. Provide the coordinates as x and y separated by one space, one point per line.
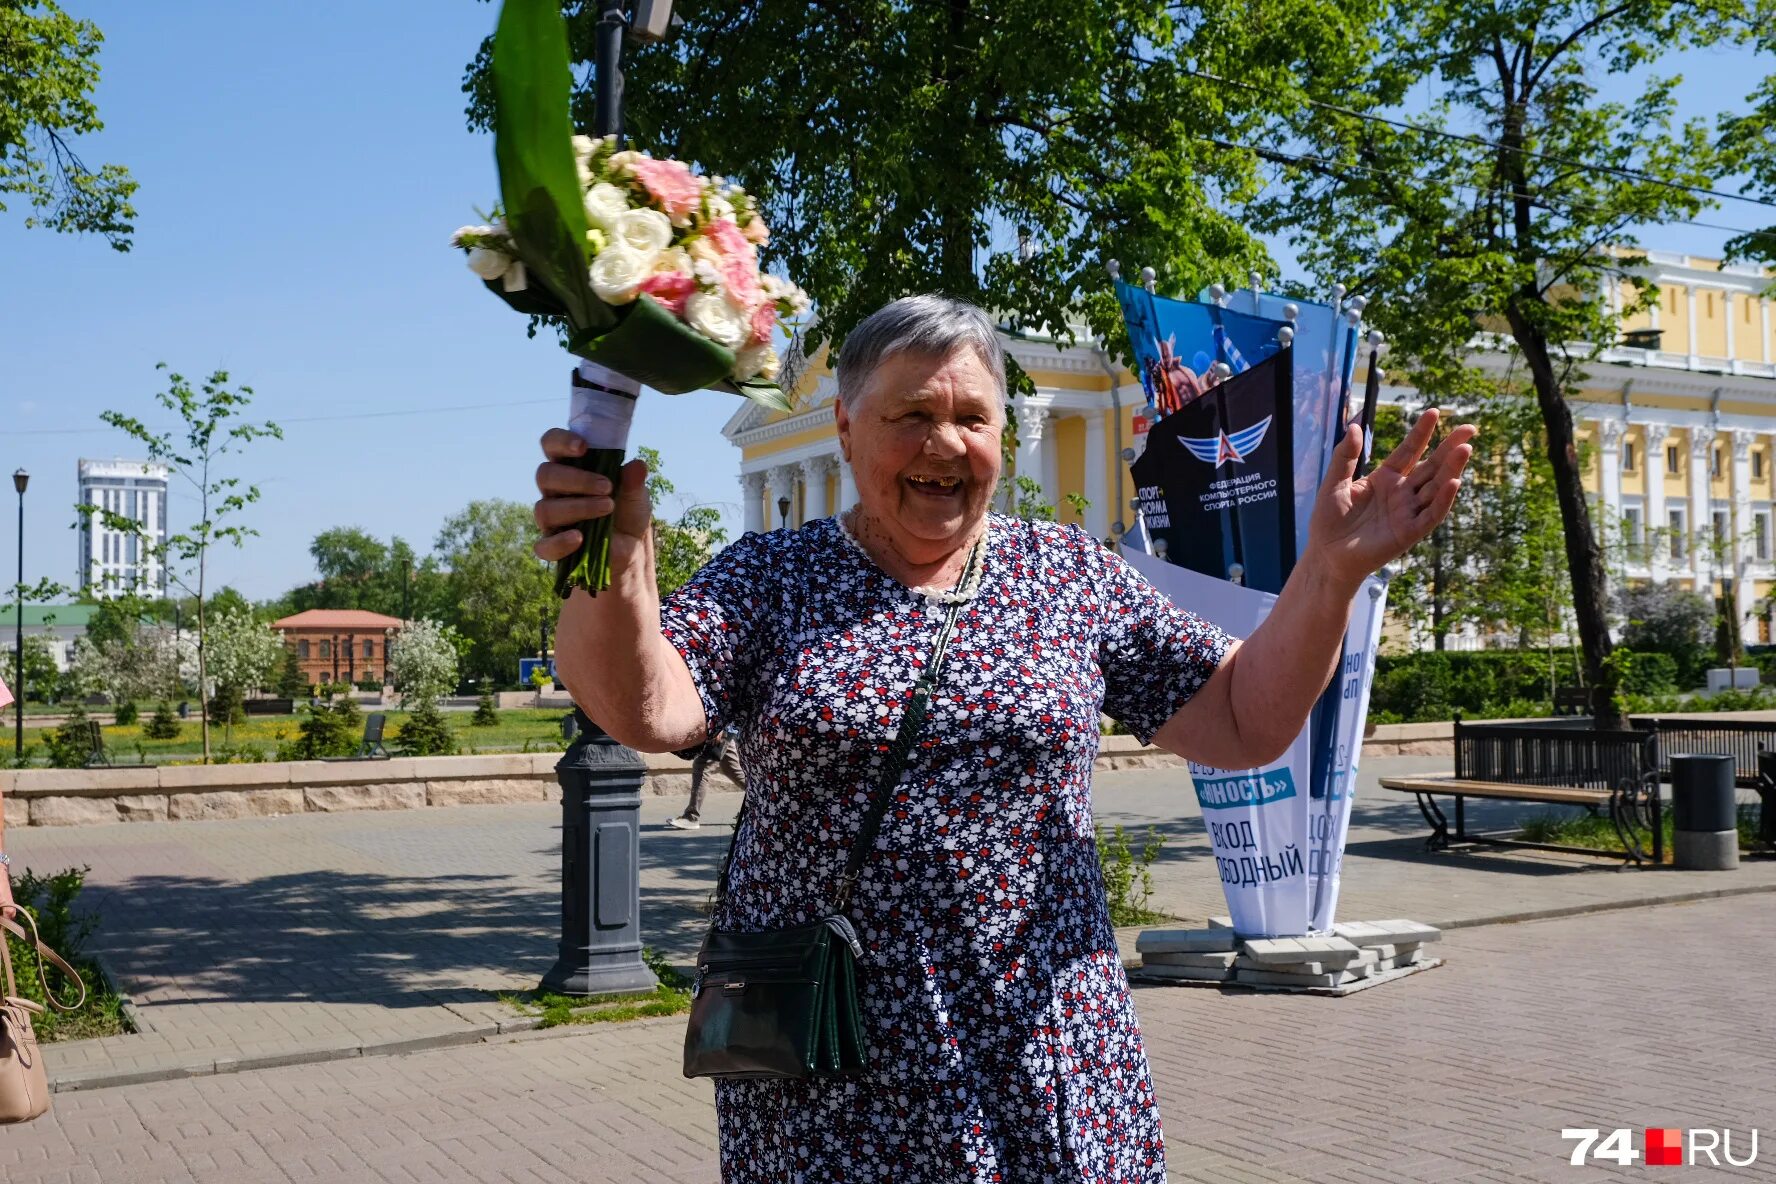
930 324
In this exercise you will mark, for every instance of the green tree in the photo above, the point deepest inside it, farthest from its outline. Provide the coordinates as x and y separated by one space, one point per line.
1749 139
211 430
995 150
241 655
291 684
1519 233
684 545
49 67
499 593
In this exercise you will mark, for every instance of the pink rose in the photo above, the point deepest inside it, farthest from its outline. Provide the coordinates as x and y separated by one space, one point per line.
672 184
764 319
756 232
730 242
670 289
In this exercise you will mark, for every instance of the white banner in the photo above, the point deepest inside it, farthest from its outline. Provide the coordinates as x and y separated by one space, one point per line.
1272 842
1256 818
1329 820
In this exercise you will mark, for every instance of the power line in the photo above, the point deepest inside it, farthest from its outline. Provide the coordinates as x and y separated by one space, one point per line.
320 418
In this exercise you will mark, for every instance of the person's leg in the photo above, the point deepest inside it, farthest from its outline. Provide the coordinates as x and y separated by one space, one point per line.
730 765
694 808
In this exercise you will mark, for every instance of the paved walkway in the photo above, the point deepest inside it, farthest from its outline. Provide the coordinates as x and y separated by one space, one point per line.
259 941
1654 1017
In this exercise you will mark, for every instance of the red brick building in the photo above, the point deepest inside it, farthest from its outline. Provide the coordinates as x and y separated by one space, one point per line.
340 644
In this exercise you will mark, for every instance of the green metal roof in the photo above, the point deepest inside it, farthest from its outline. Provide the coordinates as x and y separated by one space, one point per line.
39 615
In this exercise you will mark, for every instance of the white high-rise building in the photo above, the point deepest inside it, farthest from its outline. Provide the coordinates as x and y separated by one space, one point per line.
113 562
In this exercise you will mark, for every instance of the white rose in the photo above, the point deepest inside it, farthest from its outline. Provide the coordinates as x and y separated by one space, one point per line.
583 146
606 205
463 232
756 361
675 259
616 273
647 232
489 265
716 319
719 208
516 278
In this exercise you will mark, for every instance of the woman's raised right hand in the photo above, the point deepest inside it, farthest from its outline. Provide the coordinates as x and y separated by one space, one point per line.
572 496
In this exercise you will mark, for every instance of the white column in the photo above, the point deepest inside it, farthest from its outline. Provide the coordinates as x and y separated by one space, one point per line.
1032 424
782 486
1610 432
1097 476
1742 556
847 485
814 486
1654 471
1701 512
1727 313
1769 341
752 497
1690 346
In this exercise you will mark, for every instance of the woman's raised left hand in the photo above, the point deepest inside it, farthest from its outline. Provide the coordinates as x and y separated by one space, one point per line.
1361 523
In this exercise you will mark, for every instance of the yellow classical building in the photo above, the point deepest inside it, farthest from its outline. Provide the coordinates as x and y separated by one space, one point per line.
1680 417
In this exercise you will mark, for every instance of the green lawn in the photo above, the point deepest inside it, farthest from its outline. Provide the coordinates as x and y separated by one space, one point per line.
519 730
1584 830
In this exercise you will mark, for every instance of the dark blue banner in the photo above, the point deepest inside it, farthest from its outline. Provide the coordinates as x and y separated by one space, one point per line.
1216 482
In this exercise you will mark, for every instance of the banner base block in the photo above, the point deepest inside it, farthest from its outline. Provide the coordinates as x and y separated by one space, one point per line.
1361 956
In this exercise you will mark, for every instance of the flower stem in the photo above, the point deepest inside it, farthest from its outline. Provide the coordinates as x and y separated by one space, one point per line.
589 567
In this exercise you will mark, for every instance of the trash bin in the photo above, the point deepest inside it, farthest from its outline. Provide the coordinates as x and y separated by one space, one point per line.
1704 813
184 709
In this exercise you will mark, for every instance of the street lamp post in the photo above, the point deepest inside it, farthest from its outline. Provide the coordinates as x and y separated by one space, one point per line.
20 479
783 510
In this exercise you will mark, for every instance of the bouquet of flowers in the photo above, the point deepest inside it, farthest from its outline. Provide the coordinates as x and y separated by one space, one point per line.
649 270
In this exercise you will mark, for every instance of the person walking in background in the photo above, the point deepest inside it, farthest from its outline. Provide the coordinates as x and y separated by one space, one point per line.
718 749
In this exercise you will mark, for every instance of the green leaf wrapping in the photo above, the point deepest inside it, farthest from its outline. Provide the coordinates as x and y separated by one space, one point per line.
656 349
533 145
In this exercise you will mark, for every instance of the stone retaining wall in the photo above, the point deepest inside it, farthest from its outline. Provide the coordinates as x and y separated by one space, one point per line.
178 793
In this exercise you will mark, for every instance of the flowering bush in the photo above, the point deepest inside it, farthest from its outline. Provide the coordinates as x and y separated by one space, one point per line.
422 662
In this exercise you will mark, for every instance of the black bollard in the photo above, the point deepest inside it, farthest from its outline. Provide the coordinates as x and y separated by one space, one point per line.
600 868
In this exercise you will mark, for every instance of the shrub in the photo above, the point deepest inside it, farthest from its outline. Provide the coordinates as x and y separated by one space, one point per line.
1128 879
1647 673
485 716
227 706
163 724
70 744
126 714
331 728
1487 684
65 930
426 733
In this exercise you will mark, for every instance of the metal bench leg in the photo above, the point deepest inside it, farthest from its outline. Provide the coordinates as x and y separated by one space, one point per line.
1623 810
1461 819
1439 824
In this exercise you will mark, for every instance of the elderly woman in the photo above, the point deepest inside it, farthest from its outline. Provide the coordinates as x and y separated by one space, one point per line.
1003 1044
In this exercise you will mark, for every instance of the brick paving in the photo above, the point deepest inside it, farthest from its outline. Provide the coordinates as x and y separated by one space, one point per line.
326 934
1650 1017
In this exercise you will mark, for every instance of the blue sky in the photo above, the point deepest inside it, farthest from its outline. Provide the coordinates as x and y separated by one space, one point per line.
301 169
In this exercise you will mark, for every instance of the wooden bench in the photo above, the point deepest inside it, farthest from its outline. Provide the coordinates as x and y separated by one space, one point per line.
1742 740
1558 765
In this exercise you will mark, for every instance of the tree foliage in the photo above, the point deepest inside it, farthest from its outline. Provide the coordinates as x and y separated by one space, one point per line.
1749 139
681 545
49 67
242 652
996 150
1520 233
500 594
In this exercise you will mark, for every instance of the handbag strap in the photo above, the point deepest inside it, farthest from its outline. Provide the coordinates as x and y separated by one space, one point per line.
893 766
45 956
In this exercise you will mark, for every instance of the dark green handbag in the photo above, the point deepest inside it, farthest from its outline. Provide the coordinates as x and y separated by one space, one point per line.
785 1002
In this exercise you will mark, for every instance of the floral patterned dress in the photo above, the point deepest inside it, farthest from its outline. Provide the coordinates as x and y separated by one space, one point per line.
1003 1043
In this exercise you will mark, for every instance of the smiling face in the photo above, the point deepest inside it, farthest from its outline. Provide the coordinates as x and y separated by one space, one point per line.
922 437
